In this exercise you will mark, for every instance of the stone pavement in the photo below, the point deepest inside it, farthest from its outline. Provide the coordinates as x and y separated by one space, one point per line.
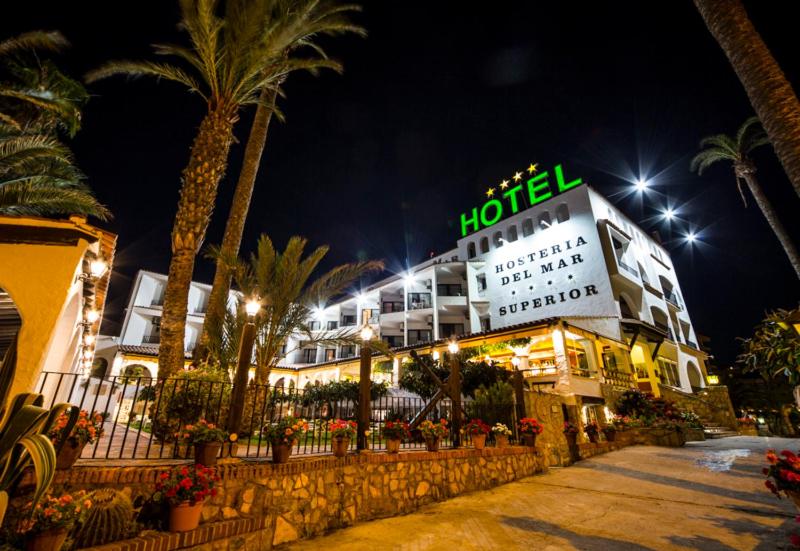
708 495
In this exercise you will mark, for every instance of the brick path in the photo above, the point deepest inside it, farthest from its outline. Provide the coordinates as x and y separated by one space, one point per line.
709 495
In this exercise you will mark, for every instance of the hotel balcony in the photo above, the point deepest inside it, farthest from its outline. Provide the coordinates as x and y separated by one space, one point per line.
618 379
151 339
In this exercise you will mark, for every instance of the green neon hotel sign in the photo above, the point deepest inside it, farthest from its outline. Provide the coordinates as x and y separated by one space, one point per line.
537 189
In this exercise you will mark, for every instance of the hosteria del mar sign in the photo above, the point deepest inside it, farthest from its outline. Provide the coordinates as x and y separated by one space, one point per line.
559 269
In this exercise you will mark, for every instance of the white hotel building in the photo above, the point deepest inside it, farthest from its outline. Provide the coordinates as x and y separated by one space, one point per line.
597 297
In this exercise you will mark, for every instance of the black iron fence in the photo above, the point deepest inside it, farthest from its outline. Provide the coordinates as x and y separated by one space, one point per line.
143 414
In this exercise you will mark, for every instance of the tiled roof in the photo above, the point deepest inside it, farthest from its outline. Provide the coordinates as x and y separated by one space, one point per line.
146 350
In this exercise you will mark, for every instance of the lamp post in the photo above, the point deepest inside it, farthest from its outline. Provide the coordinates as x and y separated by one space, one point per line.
455 392
246 343
364 384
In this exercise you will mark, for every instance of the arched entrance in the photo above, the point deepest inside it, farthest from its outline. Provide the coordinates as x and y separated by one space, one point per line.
10 322
695 376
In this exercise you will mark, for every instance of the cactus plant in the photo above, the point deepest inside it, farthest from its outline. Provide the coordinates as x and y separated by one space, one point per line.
110 519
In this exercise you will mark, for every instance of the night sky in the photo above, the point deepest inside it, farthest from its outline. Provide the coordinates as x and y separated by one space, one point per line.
440 102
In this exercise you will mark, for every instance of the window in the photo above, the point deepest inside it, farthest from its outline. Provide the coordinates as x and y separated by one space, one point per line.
394 341
348 319
389 306
481 279
348 351
668 372
330 354
308 355
511 234
670 294
418 301
447 330
497 241
419 335
562 213
643 273
544 220
484 244
332 325
527 227
450 290
313 326
471 252
620 245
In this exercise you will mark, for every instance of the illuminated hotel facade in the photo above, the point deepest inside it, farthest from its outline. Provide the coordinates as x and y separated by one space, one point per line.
547 260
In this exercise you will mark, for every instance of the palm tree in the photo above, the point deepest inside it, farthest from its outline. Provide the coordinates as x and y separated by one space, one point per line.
737 150
234 55
770 93
37 178
280 280
37 174
303 21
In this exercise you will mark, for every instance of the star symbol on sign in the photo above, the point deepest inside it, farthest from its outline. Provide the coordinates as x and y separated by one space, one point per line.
490 192
533 168
518 176
504 184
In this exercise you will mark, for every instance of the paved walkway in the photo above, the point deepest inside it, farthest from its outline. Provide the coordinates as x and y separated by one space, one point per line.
708 495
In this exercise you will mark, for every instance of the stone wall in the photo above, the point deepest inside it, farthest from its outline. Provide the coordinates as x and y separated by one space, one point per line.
547 409
712 403
307 497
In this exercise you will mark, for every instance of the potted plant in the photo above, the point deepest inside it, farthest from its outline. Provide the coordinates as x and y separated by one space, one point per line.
432 433
51 520
622 422
592 431
341 434
283 435
185 488
501 434
530 428
610 432
783 474
87 429
394 432
207 440
477 430
571 433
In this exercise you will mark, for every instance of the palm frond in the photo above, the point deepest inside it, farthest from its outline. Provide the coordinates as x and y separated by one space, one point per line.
145 68
705 159
52 41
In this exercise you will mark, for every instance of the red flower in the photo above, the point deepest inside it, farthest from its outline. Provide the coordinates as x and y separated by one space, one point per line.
795 540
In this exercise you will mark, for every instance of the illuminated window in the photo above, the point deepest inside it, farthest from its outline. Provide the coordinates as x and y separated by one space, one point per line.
527 227
562 213
484 244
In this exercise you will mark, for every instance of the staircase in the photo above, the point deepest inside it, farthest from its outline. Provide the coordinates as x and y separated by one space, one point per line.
712 430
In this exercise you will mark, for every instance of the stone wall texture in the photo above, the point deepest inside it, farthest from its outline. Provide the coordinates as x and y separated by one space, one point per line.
712 403
307 497
547 409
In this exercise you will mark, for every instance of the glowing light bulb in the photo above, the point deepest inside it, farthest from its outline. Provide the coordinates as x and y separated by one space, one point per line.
409 279
641 185
252 307
97 267
669 214
453 347
367 333
92 316
89 340
691 237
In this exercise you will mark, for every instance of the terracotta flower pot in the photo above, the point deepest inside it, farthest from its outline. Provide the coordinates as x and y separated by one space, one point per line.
479 441
393 445
69 454
281 452
500 441
340 446
206 454
529 439
611 435
185 517
49 540
432 444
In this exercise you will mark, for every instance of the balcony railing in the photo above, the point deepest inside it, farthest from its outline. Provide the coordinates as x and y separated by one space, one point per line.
672 298
620 379
389 307
151 339
630 269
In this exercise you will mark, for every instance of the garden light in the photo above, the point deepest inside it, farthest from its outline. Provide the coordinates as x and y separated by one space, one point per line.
252 307
366 333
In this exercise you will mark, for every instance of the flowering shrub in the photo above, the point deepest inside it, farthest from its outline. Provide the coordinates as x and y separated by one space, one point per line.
192 483
56 512
86 430
476 427
783 473
609 428
395 430
529 425
623 422
201 432
746 421
287 430
342 429
569 428
431 430
691 419
501 430
591 429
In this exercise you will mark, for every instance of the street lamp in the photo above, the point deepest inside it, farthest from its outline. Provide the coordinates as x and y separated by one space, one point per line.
92 315
364 384
97 268
455 392
251 307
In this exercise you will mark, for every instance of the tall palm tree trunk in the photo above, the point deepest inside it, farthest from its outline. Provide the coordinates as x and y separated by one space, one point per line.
234 227
773 220
770 93
201 178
